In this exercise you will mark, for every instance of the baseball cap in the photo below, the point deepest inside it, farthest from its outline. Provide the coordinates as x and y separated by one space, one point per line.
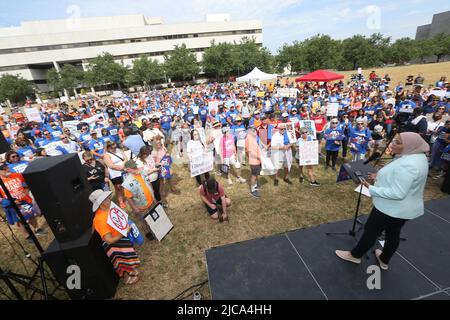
285 115
37 132
225 129
257 112
238 118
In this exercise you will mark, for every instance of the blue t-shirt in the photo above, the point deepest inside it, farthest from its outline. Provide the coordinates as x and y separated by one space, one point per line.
97 146
359 140
331 136
18 167
26 151
113 132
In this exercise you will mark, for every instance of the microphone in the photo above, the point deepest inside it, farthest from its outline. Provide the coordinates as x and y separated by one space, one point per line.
373 157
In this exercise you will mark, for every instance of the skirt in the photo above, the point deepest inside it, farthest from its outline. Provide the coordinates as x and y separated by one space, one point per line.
122 255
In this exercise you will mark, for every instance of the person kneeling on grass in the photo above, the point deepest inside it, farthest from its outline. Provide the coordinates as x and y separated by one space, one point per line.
216 202
118 248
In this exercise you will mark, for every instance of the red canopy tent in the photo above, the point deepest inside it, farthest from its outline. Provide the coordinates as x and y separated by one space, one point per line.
320 76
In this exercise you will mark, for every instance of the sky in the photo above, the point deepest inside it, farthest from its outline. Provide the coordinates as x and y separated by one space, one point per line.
284 21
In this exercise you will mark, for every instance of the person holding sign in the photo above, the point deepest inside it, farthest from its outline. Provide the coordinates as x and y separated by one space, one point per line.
195 147
281 152
118 247
305 137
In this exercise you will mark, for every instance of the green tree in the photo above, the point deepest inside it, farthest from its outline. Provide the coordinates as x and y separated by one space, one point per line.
15 88
441 45
181 63
248 54
103 70
322 52
403 50
68 78
424 48
145 71
381 45
218 60
359 51
292 57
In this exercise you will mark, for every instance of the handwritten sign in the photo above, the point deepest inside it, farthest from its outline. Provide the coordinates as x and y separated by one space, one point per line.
309 153
118 219
290 129
201 162
287 92
332 109
32 114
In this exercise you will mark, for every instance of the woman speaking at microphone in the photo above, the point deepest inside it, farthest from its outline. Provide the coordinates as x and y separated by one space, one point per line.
397 197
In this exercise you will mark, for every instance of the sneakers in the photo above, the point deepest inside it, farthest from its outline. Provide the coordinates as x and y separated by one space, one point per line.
259 188
255 194
383 265
314 184
241 180
347 256
287 180
276 182
40 232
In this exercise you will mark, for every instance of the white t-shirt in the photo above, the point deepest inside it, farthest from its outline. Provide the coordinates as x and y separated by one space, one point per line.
194 147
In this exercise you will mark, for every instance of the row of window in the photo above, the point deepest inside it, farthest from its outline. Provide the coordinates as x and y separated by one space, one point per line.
114 42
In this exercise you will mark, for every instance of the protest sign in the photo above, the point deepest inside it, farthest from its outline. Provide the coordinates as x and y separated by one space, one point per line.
213 105
33 114
287 92
159 222
13 132
310 126
439 93
52 149
63 99
260 94
117 94
290 129
201 162
118 219
332 109
309 153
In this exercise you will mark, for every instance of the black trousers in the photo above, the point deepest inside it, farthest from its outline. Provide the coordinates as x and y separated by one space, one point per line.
199 178
344 148
332 155
375 225
155 185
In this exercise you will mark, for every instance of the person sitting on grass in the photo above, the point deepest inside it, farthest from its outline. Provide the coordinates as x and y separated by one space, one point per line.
215 200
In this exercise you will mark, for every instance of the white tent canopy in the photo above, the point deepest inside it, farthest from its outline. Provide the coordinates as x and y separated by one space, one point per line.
256 75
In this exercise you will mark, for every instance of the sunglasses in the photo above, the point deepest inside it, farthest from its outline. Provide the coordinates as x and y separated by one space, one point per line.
335 123
14 156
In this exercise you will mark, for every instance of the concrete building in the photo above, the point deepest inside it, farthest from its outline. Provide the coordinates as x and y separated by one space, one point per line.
37 46
440 24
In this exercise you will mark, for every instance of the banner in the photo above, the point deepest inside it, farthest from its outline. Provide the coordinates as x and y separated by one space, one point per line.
290 129
32 114
201 163
310 126
118 219
72 126
309 153
332 110
287 92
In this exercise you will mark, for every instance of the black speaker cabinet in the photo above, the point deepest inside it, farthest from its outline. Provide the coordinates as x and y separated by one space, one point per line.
86 259
62 191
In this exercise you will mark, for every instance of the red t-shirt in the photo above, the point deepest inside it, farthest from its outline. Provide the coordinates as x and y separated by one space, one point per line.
14 183
320 122
212 197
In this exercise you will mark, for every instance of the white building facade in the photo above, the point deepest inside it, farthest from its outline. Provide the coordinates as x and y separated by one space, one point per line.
37 46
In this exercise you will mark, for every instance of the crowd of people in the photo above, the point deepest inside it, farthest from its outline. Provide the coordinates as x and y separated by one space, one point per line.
135 143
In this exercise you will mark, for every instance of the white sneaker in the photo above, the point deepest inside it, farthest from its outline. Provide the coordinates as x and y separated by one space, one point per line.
346 255
383 265
241 180
230 182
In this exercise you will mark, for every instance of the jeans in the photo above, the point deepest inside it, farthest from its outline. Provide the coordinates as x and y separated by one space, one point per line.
375 225
332 155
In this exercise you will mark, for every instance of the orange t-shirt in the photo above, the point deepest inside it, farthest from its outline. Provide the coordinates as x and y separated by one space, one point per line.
101 224
147 192
14 183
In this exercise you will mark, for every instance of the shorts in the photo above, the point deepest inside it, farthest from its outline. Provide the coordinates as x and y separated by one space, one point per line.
117 181
255 170
213 211
232 162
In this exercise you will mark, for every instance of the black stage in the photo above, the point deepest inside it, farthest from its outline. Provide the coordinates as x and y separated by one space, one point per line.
302 265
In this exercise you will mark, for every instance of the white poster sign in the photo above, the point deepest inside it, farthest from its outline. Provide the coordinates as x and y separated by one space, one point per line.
213 105
287 92
332 109
32 114
439 93
290 129
310 126
63 99
159 222
117 94
51 149
201 162
118 219
309 153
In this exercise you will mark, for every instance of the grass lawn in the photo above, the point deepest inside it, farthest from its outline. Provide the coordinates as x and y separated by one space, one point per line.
178 262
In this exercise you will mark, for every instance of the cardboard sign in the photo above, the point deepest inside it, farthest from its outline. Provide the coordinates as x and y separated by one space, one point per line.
310 126
332 110
159 222
32 114
201 162
309 153
118 219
